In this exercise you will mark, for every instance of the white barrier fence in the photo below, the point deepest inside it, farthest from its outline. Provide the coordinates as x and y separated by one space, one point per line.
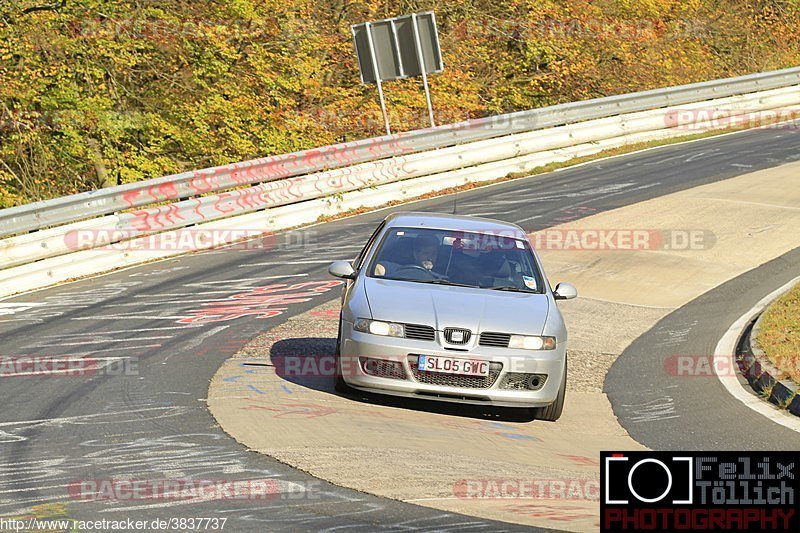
53 255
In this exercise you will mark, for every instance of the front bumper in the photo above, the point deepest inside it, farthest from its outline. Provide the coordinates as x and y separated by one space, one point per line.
355 346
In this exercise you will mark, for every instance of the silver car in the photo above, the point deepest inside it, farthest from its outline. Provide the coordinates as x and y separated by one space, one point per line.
452 308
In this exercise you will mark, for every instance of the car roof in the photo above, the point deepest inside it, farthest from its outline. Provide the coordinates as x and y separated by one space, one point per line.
411 219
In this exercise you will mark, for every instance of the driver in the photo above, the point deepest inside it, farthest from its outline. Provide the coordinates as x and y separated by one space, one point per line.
426 248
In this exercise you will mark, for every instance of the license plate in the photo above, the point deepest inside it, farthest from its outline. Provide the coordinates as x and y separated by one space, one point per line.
449 365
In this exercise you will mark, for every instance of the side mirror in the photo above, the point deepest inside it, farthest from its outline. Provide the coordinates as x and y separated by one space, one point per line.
565 291
342 269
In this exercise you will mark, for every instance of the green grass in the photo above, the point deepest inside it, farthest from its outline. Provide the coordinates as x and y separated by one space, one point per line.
779 334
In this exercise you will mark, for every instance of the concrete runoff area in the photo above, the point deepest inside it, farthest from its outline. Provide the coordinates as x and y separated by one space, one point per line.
450 457
747 221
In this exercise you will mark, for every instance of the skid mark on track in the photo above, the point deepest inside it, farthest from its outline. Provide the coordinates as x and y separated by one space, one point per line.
656 410
17 429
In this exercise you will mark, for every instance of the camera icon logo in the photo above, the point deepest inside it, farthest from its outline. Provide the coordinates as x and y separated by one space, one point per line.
649 480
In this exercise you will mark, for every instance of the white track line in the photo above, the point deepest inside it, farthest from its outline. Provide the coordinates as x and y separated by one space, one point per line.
274 263
726 348
99 334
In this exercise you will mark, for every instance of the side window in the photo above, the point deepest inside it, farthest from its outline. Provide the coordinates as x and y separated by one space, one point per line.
359 260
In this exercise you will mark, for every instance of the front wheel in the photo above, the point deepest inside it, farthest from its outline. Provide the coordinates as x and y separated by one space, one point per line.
339 384
552 412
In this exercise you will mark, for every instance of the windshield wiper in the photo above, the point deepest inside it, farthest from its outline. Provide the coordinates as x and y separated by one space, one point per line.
446 282
510 288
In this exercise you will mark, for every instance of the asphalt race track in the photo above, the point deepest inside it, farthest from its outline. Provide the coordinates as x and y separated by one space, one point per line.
697 413
161 331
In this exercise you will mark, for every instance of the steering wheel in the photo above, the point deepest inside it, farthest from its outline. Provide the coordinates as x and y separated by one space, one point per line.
415 269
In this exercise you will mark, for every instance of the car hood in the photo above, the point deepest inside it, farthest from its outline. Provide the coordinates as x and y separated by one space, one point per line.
444 306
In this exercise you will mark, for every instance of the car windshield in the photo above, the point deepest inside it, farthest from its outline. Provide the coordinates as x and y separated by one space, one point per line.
481 260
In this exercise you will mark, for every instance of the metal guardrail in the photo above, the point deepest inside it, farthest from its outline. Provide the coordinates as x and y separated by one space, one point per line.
491 159
186 185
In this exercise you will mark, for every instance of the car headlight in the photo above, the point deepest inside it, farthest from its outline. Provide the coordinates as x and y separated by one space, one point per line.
524 342
377 327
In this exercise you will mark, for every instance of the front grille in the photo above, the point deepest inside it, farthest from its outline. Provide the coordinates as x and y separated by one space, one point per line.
457 335
454 380
498 340
418 332
521 381
381 368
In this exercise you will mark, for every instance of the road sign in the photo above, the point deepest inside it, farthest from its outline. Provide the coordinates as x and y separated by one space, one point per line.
395 47
398 48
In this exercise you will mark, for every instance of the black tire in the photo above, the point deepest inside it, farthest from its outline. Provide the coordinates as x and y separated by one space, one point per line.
339 384
552 412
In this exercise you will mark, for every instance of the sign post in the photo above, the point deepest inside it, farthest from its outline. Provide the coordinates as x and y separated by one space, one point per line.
371 43
421 60
398 48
